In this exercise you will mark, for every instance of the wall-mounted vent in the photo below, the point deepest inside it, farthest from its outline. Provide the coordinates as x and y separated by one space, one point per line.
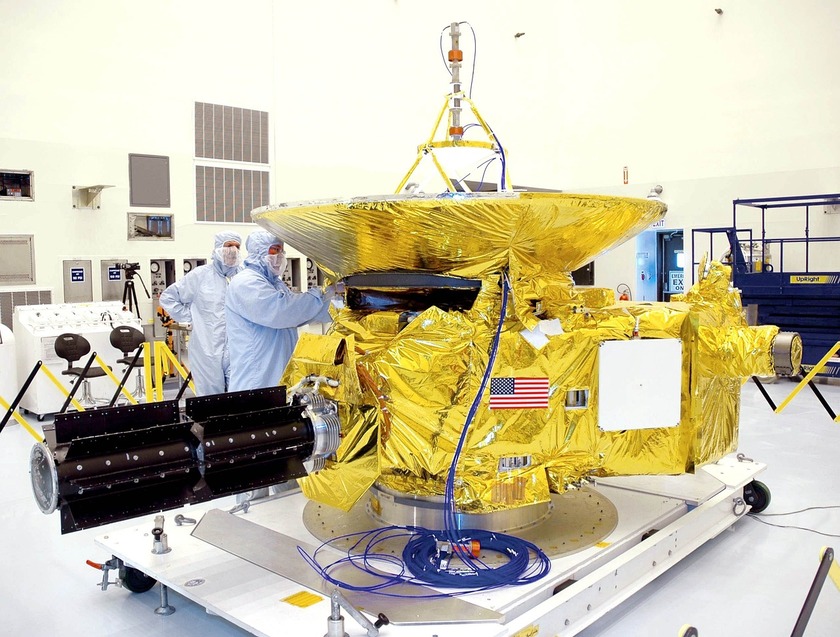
10 300
231 133
229 194
228 142
17 259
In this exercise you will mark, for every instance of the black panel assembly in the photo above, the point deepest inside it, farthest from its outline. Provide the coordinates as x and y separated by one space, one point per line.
107 465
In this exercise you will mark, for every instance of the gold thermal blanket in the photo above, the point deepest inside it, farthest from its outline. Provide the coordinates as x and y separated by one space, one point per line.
409 388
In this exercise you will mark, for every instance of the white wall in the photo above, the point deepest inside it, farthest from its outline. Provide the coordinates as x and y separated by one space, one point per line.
84 84
713 107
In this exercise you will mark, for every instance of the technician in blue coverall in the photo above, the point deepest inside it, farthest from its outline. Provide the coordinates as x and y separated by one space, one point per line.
199 298
263 315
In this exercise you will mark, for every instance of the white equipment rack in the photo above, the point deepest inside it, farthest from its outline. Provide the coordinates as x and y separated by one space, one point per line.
661 519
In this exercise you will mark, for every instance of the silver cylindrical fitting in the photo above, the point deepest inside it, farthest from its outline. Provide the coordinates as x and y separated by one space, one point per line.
327 430
787 353
335 627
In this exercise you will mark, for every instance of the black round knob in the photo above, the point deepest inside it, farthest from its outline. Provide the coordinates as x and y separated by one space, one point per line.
382 621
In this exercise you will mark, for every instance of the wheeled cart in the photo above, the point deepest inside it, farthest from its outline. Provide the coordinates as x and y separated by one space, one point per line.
246 568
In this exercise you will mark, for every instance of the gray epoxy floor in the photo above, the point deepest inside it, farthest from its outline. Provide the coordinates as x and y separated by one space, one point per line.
749 581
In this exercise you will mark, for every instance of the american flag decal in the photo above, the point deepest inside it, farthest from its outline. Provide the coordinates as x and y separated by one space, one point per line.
518 393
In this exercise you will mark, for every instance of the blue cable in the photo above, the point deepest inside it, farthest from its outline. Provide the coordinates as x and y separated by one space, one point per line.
421 557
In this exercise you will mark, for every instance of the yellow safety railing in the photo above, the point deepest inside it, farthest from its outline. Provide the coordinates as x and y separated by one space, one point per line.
809 377
5 405
834 570
61 387
116 380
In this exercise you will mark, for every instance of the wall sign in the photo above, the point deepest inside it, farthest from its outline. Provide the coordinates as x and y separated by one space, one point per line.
677 281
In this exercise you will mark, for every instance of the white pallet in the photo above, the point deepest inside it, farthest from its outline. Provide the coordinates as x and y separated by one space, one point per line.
686 511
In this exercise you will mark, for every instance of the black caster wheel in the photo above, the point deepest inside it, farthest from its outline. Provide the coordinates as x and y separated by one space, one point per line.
40 417
137 581
757 495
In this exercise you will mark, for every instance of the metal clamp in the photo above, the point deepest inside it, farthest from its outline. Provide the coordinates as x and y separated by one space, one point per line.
335 622
113 564
742 458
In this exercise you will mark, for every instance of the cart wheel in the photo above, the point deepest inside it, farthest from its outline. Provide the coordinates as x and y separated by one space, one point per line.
137 581
40 417
688 631
757 495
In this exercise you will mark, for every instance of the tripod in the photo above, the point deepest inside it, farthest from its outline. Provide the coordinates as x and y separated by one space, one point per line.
129 298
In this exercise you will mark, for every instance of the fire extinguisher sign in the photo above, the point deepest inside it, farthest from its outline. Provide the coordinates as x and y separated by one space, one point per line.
677 286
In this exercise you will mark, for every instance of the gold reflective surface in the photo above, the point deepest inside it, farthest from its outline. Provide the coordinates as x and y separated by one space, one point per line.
408 386
468 235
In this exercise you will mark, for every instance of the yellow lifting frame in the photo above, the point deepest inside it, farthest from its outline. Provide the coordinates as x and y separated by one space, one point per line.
814 371
431 144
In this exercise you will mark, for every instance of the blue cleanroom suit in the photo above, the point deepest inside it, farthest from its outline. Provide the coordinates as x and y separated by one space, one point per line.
199 298
263 315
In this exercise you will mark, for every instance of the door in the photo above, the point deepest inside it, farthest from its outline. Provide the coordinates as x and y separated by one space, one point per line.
672 273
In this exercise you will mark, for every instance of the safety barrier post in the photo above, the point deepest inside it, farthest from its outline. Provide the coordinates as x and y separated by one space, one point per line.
147 373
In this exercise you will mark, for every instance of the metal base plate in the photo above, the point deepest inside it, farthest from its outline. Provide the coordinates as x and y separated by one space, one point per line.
576 521
579 589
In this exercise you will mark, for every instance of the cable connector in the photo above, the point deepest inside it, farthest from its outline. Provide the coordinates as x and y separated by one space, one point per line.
465 549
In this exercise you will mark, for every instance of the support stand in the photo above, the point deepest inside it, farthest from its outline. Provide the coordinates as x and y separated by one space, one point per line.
164 608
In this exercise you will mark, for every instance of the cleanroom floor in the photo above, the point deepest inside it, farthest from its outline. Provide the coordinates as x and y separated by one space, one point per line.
750 580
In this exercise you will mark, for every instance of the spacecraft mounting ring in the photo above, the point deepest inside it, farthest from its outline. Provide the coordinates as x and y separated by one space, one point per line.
44 478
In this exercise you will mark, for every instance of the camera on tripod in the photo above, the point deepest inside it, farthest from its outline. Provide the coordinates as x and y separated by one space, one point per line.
130 268
129 295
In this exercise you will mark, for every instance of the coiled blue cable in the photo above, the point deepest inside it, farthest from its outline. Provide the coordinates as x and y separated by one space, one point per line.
421 558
